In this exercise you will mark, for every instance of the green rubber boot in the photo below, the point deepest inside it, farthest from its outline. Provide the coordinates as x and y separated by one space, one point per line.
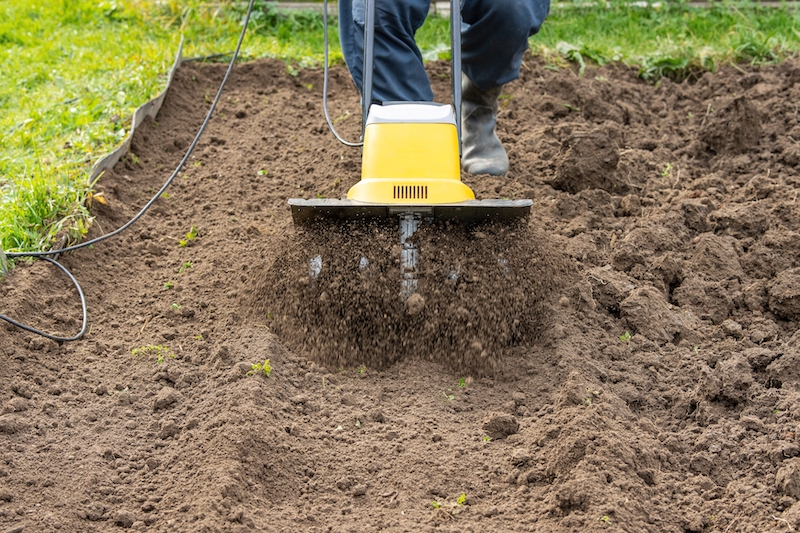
483 153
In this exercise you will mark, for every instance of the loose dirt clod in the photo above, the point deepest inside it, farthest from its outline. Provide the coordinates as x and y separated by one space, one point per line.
415 304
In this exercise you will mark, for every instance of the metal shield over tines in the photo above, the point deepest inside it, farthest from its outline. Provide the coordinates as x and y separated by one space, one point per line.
470 211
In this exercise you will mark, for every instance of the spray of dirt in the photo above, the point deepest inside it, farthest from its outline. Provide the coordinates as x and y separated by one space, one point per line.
334 293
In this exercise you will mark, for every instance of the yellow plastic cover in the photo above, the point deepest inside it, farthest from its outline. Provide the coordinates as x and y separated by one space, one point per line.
410 163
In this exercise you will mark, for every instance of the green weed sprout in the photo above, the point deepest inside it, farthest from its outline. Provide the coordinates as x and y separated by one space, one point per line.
435 504
190 236
462 382
625 337
158 349
264 368
461 499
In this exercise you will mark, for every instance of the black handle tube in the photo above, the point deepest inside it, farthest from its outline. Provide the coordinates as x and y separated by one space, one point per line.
369 61
455 63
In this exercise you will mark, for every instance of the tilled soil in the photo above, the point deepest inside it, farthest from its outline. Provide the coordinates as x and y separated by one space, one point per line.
627 360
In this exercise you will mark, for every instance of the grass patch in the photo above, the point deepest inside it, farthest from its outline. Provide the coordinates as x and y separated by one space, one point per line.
73 71
675 39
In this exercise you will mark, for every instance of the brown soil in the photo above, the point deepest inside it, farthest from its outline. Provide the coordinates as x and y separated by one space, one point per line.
667 212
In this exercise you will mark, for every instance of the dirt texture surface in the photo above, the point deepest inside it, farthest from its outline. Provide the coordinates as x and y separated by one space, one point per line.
625 360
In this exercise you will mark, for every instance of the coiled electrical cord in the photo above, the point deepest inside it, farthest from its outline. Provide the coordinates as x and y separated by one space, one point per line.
45 255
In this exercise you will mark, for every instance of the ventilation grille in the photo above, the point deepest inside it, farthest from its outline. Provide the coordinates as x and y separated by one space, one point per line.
410 192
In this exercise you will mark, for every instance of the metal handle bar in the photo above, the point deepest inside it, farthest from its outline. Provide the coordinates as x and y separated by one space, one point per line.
369 61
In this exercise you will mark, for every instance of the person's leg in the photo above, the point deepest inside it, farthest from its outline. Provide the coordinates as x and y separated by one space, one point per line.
493 38
495 35
398 72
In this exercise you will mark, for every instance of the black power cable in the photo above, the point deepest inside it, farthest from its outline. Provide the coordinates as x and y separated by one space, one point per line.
45 255
325 82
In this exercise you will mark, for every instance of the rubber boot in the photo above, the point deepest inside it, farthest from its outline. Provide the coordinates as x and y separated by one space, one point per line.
483 153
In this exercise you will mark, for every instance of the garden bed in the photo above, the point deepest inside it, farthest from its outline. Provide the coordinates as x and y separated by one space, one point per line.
654 387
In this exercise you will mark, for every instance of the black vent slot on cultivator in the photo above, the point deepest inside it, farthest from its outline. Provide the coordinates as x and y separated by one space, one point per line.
411 192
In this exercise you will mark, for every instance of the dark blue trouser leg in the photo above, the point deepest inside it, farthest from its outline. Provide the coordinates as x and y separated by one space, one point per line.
398 73
494 37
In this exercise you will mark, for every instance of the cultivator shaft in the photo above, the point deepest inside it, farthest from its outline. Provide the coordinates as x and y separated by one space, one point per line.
409 255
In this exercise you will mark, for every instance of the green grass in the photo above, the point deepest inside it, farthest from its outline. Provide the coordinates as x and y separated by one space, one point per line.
675 39
71 74
73 71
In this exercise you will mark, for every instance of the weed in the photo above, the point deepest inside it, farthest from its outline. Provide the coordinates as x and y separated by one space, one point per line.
666 171
263 172
198 337
185 266
358 423
461 499
462 382
448 395
605 519
572 53
264 368
190 236
361 369
486 438
435 504
159 350
168 285
625 337
177 307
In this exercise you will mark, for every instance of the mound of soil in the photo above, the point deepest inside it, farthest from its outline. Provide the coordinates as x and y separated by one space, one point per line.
625 360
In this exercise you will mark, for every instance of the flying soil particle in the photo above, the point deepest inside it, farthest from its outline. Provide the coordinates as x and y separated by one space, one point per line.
485 285
415 304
